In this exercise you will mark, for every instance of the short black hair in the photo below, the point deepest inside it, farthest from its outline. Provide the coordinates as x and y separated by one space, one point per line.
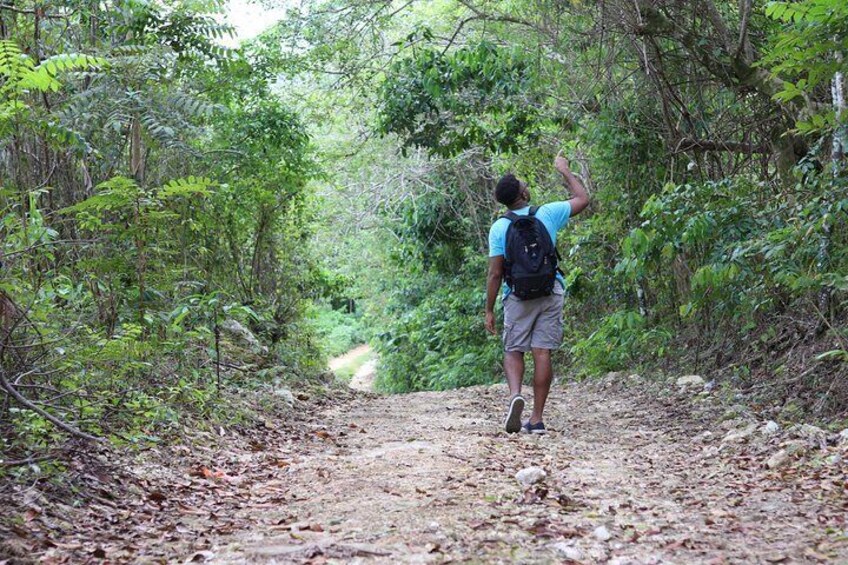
507 190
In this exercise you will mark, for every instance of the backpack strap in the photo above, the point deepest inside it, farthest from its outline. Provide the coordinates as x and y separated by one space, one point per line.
512 216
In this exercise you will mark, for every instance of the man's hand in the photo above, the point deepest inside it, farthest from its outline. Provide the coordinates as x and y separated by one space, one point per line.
561 164
490 323
580 198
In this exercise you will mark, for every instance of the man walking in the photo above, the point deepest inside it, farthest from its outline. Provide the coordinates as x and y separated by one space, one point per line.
522 255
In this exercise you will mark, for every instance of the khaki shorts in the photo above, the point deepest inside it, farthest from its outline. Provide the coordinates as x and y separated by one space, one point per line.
533 324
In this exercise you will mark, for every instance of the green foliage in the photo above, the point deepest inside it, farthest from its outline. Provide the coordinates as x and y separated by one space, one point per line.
22 74
141 207
449 102
337 332
432 233
807 53
621 341
434 337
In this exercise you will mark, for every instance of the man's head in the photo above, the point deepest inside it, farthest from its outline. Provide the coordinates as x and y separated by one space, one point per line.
510 191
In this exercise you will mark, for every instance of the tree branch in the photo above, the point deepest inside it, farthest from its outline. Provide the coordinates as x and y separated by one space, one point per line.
689 144
43 413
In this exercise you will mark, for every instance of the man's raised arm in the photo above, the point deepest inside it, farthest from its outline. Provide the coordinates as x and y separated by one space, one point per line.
580 198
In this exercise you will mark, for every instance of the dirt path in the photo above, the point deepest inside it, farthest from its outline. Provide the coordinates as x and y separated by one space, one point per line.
429 478
365 376
342 360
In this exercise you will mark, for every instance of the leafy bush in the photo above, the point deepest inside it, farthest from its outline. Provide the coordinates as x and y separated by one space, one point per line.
337 332
438 341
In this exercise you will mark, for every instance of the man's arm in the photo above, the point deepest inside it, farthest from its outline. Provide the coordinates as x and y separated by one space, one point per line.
580 198
493 286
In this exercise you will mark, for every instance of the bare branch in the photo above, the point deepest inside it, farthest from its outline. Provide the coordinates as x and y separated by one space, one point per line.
46 415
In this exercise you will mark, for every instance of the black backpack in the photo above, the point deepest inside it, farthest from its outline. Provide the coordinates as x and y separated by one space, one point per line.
530 262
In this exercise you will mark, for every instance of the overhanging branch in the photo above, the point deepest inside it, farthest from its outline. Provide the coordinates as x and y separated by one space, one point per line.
689 144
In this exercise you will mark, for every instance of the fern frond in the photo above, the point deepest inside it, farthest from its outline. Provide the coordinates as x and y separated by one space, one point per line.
43 76
189 186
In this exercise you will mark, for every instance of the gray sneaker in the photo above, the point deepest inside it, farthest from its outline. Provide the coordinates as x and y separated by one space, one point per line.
512 424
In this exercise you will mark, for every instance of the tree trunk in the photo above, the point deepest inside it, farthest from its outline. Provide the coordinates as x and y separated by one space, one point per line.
837 152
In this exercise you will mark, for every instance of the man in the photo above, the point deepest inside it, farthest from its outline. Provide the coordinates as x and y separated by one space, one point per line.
533 324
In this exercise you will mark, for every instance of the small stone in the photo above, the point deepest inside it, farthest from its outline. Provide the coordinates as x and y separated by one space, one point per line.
200 557
530 476
690 380
710 386
843 436
778 459
740 435
770 428
285 394
795 447
813 434
704 437
601 533
568 551
834 459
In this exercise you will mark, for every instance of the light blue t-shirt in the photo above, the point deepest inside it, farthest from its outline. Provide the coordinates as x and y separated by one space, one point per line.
554 217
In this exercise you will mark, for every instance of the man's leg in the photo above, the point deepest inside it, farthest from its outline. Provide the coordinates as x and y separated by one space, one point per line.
514 369
517 332
542 378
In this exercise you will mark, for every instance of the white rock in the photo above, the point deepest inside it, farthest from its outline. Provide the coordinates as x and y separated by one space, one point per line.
740 435
530 476
778 459
690 380
242 335
601 533
285 394
704 437
770 428
843 436
834 459
568 551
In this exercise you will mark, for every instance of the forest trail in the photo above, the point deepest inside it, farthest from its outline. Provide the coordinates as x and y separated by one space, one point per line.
429 477
360 363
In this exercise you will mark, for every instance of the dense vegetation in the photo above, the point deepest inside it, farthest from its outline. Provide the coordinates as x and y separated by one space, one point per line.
160 195
153 203
709 133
